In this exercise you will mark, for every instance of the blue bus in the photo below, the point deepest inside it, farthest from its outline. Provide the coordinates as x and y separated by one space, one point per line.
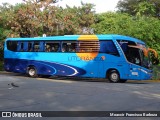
117 58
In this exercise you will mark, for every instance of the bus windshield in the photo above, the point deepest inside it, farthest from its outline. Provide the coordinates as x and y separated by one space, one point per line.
142 56
139 54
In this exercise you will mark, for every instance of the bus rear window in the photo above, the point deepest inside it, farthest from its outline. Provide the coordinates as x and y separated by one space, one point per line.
12 45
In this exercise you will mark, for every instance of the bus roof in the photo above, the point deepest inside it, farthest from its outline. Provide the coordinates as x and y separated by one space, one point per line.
76 37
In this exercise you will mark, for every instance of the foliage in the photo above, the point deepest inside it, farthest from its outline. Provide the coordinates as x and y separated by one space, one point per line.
145 8
112 23
136 18
30 18
140 7
34 18
78 20
144 28
145 13
156 73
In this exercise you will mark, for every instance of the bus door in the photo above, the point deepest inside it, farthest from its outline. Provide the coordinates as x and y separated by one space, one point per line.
108 57
134 58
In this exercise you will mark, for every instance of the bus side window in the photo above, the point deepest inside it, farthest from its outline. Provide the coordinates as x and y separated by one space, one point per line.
22 46
52 47
88 46
109 48
30 47
69 47
12 45
25 48
55 47
64 48
18 46
47 48
36 47
41 46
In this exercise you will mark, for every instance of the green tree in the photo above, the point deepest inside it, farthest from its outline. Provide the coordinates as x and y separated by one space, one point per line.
145 8
86 16
140 7
113 23
34 18
78 20
128 6
4 9
31 18
144 28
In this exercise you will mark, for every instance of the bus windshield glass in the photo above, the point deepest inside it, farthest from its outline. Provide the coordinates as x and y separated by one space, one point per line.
137 53
141 56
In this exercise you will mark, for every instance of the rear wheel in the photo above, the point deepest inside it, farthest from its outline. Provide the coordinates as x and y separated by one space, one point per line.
45 76
32 72
113 76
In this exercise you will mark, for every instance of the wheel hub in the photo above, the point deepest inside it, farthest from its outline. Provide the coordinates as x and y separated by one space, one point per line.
32 72
114 76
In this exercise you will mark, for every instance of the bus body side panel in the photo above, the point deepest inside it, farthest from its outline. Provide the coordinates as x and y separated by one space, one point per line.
113 59
15 65
139 73
71 64
42 67
47 64
113 62
146 74
64 64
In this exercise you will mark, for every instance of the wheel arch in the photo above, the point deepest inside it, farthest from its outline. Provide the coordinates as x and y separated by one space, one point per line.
29 66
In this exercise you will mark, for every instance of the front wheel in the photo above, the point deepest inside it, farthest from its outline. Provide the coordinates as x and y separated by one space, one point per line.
123 80
113 76
32 72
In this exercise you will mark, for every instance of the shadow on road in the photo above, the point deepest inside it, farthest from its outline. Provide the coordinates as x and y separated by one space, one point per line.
75 78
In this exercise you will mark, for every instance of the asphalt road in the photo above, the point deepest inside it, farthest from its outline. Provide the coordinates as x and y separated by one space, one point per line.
59 94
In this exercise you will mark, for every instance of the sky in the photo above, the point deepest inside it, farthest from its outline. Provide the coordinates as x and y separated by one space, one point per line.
101 5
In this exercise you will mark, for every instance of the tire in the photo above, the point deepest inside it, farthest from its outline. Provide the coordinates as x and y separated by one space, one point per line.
45 76
123 80
32 72
113 76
